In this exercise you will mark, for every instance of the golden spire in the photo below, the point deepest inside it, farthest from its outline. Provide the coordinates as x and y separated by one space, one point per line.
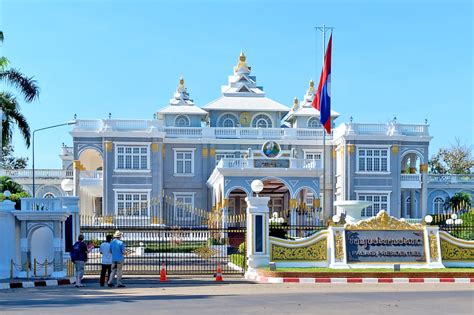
242 65
311 83
181 80
295 103
242 56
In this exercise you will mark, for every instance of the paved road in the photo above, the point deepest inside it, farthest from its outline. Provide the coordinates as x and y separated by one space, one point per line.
201 296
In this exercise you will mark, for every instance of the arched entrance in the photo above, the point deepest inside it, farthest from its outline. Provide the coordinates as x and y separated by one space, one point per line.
91 188
237 208
41 250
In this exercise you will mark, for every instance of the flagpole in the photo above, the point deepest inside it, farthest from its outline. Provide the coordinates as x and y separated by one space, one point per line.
323 30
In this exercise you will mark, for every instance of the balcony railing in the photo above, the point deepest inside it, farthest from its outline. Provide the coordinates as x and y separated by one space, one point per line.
49 173
410 180
40 204
446 179
389 129
197 132
250 163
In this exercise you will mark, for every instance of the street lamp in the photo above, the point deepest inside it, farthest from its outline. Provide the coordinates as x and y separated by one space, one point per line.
69 123
454 220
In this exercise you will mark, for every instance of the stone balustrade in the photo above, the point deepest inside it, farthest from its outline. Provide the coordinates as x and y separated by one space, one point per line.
49 173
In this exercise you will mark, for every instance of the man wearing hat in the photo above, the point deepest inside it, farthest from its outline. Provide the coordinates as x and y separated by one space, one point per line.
117 248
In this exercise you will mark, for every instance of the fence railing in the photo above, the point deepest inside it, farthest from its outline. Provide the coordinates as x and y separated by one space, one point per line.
451 179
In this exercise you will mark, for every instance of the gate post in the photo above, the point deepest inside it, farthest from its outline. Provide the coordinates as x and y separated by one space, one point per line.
258 254
8 250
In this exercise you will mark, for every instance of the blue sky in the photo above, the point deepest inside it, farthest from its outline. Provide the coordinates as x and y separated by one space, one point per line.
409 59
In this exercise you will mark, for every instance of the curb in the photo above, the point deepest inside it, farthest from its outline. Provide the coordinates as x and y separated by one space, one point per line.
36 283
261 279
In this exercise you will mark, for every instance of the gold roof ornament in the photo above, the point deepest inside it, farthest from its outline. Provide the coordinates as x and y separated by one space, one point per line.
181 87
181 80
242 66
295 103
383 221
311 83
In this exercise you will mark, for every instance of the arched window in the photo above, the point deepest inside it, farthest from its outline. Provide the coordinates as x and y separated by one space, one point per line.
49 195
407 206
314 123
182 121
438 205
262 121
228 121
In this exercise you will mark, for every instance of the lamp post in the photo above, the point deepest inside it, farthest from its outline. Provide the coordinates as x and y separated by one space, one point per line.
69 123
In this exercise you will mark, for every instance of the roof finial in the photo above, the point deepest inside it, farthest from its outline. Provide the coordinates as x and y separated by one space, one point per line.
311 83
181 80
242 56
295 103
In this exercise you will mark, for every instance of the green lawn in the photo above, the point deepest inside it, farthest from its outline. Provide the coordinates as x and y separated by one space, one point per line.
388 270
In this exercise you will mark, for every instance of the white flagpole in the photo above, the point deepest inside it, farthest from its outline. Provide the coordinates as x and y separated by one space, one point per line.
323 201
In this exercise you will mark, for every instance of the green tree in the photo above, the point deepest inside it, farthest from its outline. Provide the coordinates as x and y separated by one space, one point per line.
455 160
27 88
9 162
460 200
16 190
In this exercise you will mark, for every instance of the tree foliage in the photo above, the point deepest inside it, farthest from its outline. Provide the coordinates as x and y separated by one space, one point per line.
460 200
16 190
455 160
9 162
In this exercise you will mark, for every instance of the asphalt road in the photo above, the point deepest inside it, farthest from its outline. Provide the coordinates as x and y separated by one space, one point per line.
235 296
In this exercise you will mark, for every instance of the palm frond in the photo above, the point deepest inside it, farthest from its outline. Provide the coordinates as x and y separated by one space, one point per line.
27 86
1 36
13 116
3 63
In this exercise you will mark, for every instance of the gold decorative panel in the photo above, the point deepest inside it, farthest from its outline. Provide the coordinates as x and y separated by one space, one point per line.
394 149
154 147
293 203
383 221
314 252
108 146
339 244
351 148
205 152
456 253
423 168
213 152
433 246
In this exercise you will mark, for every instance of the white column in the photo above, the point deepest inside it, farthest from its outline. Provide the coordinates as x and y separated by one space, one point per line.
424 190
8 235
337 247
258 252
433 247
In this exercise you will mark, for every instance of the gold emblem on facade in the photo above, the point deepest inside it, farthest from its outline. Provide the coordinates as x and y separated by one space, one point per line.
245 119
450 252
383 221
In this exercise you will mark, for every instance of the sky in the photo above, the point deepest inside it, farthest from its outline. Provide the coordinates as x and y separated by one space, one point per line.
407 59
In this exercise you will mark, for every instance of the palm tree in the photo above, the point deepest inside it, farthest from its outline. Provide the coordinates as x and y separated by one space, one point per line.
28 89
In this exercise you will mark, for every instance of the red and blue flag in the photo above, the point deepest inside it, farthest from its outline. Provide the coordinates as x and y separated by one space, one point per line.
322 99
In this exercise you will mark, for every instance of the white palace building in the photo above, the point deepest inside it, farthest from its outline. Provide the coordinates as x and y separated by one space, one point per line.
207 156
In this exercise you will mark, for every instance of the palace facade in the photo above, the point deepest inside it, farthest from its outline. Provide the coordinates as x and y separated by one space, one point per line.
205 157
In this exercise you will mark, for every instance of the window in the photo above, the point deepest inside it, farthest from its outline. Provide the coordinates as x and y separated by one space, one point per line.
183 206
224 155
314 123
228 121
408 207
132 157
261 121
373 160
438 205
182 121
49 195
315 158
380 202
184 162
132 204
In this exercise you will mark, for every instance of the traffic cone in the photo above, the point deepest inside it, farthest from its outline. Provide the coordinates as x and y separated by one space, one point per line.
219 273
163 273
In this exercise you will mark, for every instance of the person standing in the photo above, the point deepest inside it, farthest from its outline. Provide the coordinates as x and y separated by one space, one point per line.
106 260
117 248
79 258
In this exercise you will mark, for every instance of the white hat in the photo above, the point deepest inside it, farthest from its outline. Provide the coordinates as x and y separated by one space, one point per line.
118 234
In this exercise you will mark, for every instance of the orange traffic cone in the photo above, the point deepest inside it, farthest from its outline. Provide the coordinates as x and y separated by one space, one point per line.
163 272
219 273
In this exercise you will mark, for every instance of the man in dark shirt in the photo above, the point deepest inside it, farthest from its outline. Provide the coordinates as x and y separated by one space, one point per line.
79 258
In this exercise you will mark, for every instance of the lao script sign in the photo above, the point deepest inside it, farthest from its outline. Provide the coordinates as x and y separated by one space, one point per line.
379 246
